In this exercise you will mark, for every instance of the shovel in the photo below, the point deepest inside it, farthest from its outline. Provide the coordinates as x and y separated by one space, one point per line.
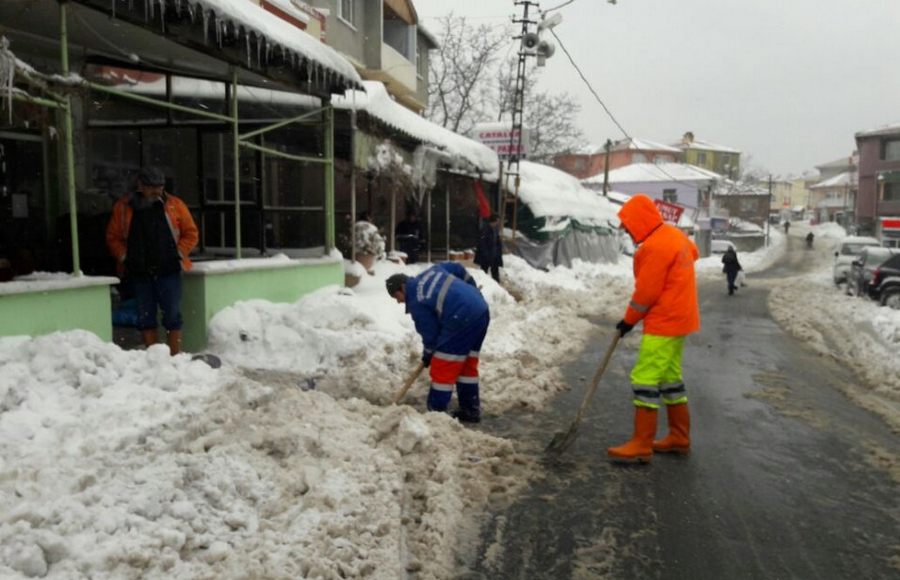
563 439
409 383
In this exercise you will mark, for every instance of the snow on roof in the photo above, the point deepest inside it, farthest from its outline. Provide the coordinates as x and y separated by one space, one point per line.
644 145
618 197
729 187
656 172
378 103
706 146
280 33
842 162
883 130
288 7
549 192
841 180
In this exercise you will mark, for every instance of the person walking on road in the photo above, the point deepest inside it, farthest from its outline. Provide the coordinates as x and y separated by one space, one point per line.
665 298
787 227
452 317
809 240
489 253
731 267
151 234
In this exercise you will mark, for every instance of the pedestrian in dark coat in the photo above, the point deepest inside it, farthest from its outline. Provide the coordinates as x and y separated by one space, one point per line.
489 253
731 267
410 237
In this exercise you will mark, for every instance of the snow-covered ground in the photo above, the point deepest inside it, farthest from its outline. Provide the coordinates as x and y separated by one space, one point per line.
855 331
289 462
285 463
755 261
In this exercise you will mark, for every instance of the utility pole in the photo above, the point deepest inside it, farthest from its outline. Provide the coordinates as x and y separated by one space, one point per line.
531 45
607 146
768 221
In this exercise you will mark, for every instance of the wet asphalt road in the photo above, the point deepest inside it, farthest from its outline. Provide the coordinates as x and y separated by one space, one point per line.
784 481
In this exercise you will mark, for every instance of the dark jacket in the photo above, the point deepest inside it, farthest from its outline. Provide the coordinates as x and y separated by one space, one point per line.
490 247
730 262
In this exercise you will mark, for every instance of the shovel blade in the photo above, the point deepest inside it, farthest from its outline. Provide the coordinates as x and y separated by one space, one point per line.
562 440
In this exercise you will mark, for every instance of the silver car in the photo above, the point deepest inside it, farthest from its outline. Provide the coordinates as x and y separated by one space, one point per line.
847 250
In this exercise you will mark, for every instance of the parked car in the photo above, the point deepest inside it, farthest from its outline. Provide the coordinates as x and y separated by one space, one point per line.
847 251
887 280
865 275
721 246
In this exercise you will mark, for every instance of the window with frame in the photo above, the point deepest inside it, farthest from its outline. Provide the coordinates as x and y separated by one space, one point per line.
670 196
890 150
701 158
347 12
891 192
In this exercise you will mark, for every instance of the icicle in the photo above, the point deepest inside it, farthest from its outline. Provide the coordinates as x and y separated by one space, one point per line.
112 9
247 37
205 26
219 25
258 51
7 73
131 5
162 14
147 10
178 8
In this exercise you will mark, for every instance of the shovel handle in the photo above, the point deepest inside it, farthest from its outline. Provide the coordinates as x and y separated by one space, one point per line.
409 383
589 394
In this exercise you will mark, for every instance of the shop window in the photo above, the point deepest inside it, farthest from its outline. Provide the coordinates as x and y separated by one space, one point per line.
104 108
891 192
670 196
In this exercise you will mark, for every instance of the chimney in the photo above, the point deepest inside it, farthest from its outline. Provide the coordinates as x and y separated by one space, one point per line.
688 138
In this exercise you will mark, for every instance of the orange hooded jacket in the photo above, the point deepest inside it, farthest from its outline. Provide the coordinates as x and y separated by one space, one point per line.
665 287
181 224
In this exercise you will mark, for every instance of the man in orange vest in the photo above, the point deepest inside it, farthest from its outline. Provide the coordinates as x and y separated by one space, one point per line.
150 234
665 298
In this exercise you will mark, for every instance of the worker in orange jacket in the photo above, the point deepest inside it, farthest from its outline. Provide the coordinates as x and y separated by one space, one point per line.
665 298
150 234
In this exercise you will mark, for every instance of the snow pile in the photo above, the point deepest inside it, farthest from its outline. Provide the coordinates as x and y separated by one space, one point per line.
655 172
858 332
378 103
118 464
361 343
549 192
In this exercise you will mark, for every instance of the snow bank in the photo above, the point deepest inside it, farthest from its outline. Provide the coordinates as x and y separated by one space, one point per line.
361 343
134 464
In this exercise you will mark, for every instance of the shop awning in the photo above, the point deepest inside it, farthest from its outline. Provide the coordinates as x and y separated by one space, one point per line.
204 38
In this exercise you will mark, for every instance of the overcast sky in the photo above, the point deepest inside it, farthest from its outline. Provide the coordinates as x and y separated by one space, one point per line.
788 82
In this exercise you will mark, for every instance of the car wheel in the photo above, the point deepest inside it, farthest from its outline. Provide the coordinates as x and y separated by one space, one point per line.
892 299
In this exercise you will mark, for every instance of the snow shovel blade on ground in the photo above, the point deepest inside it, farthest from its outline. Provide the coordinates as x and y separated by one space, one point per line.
409 383
562 440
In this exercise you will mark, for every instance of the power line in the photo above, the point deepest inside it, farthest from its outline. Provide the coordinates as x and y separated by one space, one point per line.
563 5
608 111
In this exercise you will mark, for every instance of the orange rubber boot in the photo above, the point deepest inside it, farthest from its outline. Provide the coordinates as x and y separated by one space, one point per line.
174 341
678 440
149 337
640 448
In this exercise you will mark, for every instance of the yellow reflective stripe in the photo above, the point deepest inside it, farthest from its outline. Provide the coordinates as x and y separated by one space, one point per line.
680 401
639 403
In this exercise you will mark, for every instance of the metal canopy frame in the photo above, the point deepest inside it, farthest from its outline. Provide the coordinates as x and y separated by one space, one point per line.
59 93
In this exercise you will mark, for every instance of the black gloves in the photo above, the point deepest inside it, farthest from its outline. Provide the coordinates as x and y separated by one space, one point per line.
623 327
426 358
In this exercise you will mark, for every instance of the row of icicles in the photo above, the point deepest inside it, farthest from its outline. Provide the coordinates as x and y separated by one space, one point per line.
316 73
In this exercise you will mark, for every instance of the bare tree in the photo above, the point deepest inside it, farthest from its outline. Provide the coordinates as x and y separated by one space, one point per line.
472 80
459 87
549 117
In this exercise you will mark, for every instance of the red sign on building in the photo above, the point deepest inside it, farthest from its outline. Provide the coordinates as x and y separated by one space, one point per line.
670 212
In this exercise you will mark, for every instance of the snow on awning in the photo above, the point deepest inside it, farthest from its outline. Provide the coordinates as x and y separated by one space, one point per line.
549 192
202 89
261 35
378 103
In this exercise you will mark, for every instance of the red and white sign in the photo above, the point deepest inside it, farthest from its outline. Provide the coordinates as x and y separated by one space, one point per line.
670 212
504 141
890 224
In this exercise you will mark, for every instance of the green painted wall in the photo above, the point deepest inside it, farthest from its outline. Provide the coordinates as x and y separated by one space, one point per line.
205 294
36 313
